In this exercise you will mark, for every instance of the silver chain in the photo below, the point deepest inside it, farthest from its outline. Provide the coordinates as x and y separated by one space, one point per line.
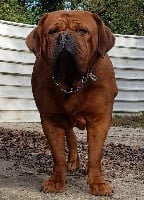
88 76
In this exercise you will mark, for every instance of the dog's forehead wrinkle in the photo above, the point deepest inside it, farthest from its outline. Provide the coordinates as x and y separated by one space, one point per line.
69 18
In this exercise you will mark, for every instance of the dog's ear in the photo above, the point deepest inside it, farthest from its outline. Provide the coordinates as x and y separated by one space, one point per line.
106 39
33 42
34 39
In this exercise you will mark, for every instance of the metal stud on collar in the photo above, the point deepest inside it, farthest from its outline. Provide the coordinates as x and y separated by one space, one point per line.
87 76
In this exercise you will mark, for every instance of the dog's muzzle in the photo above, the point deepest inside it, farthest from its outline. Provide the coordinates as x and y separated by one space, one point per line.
66 42
64 39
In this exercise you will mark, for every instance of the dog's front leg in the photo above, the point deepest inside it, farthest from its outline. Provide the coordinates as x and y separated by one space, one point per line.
96 137
56 140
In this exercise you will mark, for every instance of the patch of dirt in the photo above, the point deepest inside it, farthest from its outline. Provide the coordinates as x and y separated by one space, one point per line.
129 121
26 161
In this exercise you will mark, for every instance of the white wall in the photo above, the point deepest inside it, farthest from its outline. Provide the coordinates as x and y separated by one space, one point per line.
16 62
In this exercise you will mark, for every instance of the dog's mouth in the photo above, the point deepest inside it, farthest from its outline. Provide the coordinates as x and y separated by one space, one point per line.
65 70
67 76
68 72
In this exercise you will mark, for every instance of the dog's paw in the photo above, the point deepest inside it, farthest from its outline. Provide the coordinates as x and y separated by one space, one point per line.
53 185
73 164
101 189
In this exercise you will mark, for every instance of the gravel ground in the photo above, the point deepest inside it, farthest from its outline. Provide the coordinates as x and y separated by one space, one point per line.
25 162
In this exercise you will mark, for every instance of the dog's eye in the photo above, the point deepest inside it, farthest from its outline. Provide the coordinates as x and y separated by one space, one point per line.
52 31
82 31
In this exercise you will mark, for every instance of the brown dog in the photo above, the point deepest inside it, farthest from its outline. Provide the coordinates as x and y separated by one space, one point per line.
73 84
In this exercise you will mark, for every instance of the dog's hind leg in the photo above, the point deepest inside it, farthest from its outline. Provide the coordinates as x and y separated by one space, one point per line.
73 158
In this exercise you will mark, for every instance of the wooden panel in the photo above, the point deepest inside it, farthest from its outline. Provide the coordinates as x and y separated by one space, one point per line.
129 74
127 52
125 95
19 116
12 43
130 41
17 104
132 85
128 63
16 92
15 68
15 80
14 29
128 106
17 56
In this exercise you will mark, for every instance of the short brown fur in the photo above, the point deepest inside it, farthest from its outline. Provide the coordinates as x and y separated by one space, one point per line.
90 107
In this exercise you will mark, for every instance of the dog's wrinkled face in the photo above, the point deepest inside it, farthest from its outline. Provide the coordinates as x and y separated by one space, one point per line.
71 45
70 42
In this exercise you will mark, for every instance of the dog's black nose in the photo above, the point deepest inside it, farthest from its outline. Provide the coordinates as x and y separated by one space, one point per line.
63 38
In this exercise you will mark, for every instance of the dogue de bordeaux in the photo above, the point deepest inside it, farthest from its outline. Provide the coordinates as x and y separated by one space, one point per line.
73 84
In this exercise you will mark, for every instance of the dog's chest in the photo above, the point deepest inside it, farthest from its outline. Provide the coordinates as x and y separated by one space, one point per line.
74 108
73 103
